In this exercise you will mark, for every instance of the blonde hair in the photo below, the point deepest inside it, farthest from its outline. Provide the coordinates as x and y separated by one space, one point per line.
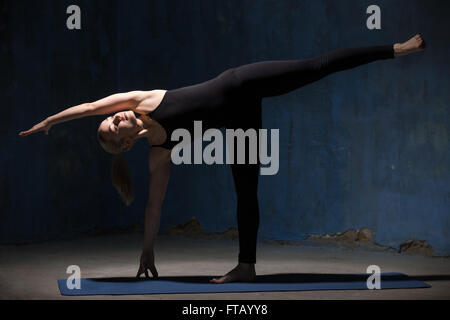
120 175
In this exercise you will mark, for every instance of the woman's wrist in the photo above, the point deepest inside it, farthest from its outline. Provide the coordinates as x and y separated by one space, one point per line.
397 49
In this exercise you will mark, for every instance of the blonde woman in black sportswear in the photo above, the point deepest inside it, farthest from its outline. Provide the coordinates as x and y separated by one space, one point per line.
232 100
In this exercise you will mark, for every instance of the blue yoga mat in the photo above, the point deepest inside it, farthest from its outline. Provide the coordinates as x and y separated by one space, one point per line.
200 284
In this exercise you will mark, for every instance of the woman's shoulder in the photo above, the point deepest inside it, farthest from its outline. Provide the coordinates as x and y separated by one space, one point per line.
150 101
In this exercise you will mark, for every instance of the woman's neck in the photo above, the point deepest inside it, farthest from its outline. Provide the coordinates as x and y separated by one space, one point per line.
155 133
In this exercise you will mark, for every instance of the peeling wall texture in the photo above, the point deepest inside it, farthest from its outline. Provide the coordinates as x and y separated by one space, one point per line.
363 148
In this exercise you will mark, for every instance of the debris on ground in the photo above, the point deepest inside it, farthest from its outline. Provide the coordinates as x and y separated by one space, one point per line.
351 239
416 247
193 229
348 236
365 235
283 242
363 238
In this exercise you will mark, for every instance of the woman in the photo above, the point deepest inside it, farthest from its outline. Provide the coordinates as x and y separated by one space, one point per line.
232 100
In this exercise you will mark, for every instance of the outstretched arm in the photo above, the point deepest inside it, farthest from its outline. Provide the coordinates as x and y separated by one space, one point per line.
159 162
118 102
111 104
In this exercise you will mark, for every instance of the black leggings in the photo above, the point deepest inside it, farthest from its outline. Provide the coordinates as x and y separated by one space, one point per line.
273 78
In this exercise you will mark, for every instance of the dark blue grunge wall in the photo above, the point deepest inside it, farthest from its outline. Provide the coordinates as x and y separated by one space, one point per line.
364 148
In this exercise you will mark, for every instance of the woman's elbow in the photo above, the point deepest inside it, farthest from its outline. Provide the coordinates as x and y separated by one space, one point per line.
90 108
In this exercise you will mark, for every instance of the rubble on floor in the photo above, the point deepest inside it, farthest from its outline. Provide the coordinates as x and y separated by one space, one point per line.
416 247
193 229
363 238
283 242
352 239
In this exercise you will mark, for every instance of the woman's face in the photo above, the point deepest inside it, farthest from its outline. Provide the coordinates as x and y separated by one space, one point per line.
121 125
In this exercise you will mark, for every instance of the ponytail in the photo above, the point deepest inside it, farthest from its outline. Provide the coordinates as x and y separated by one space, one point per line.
121 179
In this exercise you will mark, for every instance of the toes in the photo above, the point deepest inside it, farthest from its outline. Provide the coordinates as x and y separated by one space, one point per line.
421 43
220 280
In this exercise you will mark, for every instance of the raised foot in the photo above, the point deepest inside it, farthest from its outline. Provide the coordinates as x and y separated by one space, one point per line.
243 272
414 44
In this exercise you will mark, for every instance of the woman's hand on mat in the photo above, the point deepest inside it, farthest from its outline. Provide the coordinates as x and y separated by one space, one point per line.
147 263
41 126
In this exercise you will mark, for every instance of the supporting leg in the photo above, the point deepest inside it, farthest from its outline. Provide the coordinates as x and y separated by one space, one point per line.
246 185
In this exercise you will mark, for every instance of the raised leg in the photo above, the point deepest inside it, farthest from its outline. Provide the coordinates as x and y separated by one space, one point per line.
273 78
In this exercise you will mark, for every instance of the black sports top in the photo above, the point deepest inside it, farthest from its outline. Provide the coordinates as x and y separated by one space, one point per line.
209 102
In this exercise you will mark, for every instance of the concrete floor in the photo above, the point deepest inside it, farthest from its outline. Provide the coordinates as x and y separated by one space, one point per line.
31 271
